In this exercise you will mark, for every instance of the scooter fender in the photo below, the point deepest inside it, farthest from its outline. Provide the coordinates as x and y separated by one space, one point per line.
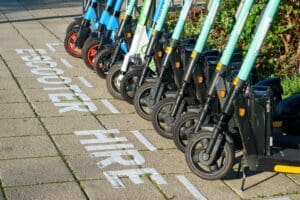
170 94
228 137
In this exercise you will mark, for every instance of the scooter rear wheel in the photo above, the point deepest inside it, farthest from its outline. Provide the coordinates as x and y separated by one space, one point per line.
89 51
139 103
184 129
219 168
101 62
112 81
129 84
70 44
161 117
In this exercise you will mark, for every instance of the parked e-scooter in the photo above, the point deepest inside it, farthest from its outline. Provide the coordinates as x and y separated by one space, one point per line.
215 93
96 40
74 40
140 40
210 153
135 76
115 52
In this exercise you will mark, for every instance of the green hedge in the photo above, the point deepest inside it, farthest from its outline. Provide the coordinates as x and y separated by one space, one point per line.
281 48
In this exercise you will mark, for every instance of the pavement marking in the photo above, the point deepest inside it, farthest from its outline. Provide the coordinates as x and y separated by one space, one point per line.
281 198
66 63
112 108
108 146
50 46
193 190
85 82
144 140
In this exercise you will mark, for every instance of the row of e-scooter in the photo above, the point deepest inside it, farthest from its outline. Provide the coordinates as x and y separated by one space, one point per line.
209 102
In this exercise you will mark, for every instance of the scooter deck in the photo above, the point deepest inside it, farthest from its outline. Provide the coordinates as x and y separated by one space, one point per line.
285 160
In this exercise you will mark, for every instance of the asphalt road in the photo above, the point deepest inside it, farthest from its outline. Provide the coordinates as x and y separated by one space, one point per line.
63 136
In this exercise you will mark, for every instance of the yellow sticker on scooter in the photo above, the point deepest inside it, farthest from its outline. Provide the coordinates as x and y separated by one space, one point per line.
236 81
193 54
154 32
219 66
123 16
169 50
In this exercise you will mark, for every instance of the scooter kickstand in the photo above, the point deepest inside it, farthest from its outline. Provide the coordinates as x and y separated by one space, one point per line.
244 178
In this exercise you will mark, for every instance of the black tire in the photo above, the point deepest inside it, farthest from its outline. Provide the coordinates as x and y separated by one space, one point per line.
69 44
74 25
111 81
100 65
140 107
184 129
212 172
160 112
129 84
89 51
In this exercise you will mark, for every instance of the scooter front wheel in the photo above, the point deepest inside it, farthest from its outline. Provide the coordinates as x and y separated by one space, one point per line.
184 129
89 51
219 167
129 84
140 101
74 25
102 60
162 120
112 82
70 44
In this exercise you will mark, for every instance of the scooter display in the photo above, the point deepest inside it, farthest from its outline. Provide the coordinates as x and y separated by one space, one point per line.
92 21
135 55
150 93
210 153
135 76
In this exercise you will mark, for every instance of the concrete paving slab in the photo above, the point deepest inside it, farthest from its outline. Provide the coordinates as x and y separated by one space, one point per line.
15 110
294 197
101 189
11 96
69 124
30 83
3 70
160 142
69 145
264 185
85 167
166 161
294 177
48 109
33 171
125 122
8 83
26 147
67 191
41 95
212 190
20 70
20 127
123 106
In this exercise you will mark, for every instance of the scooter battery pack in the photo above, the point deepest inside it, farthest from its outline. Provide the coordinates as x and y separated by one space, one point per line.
261 103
